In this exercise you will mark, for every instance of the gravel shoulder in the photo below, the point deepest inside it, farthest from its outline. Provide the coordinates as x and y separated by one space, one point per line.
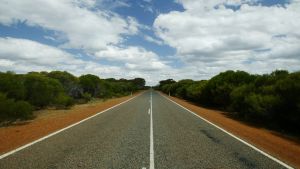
274 143
48 121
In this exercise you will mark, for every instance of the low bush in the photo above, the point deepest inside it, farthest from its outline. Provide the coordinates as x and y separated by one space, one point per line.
63 101
11 110
87 97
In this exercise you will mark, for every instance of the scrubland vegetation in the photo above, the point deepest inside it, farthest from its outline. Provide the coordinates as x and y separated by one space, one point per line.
272 100
20 94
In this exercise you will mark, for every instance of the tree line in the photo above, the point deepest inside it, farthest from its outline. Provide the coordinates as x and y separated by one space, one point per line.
272 100
21 94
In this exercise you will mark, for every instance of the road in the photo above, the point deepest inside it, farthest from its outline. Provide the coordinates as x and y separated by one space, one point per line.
125 138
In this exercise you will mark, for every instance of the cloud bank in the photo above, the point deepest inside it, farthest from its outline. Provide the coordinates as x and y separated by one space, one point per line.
254 38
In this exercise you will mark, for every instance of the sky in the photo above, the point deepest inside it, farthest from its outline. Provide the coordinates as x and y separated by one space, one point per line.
152 39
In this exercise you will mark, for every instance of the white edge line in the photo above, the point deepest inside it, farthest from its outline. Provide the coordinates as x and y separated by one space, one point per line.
56 132
232 135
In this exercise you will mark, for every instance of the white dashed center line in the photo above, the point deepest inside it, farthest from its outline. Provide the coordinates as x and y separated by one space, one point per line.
151 136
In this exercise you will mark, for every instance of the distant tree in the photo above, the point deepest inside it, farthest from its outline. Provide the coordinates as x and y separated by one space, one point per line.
280 73
69 82
179 89
110 79
106 89
139 83
194 92
90 84
168 81
217 90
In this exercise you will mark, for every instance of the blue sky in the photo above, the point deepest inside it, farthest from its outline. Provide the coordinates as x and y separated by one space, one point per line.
152 39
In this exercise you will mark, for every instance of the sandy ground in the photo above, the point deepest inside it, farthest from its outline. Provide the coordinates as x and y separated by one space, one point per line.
48 121
279 146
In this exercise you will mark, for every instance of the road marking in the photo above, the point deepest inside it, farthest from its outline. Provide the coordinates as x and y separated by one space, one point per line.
151 136
149 111
232 135
61 130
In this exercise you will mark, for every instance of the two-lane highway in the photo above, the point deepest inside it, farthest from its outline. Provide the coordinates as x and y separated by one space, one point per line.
148 131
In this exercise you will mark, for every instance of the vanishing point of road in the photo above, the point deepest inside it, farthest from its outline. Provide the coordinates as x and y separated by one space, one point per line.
146 132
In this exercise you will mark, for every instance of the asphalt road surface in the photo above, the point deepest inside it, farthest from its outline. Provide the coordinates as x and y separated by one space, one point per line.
134 136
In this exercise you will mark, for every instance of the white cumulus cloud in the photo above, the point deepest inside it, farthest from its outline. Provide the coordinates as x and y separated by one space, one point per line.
22 55
254 38
134 58
84 28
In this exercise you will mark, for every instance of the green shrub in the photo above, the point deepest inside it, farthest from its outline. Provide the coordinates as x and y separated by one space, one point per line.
218 89
90 84
6 107
195 91
63 101
23 110
87 97
261 106
237 99
11 110
12 85
69 82
41 90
